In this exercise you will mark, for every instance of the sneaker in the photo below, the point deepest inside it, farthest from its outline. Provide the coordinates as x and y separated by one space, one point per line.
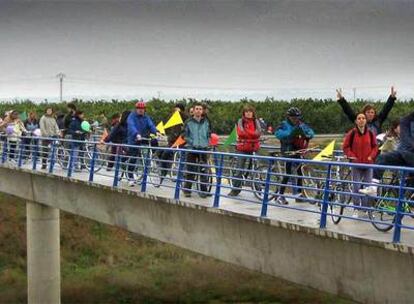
233 193
44 167
371 190
300 198
355 214
132 183
202 195
109 169
77 169
187 193
281 200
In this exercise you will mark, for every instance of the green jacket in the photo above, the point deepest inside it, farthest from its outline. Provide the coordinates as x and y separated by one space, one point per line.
197 133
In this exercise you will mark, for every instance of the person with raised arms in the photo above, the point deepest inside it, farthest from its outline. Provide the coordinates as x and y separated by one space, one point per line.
374 120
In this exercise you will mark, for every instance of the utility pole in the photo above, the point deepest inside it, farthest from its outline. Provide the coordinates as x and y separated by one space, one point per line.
61 76
354 89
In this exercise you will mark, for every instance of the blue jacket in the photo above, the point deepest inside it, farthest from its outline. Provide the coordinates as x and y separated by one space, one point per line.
139 124
287 133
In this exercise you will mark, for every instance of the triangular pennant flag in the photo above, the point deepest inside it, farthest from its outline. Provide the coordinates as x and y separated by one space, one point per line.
326 152
232 138
23 116
160 127
174 120
179 142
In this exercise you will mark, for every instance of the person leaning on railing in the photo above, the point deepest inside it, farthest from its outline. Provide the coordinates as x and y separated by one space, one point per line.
294 135
360 145
48 128
248 135
403 156
77 134
374 120
15 129
197 131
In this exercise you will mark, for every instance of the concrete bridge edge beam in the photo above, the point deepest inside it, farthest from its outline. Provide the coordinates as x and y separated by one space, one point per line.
43 253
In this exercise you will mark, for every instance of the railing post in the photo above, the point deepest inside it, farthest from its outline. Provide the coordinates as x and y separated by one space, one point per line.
398 216
265 200
117 167
219 172
36 150
52 157
145 175
4 154
20 159
179 175
325 200
92 164
70 165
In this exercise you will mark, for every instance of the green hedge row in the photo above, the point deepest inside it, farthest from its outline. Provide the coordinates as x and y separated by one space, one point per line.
325 116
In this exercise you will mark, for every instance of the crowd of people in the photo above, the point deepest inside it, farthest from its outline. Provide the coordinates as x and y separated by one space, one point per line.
364 143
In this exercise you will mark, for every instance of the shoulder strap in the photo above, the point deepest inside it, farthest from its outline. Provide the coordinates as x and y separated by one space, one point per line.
351 139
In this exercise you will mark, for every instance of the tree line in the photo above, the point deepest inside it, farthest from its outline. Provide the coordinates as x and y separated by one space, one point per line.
325 116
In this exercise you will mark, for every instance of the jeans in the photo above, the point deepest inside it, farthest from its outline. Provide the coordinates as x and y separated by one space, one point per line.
290 166
238 174
196 162
362 176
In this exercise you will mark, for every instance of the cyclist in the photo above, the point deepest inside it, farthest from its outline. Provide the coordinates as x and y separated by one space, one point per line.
360 145
139 125
31 124
248 135
294 135
77 134
17 129
197 131
374 121
118 135
48 128
403 156
173 133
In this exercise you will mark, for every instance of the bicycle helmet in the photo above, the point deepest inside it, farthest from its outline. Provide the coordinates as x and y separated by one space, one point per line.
140 105
294 111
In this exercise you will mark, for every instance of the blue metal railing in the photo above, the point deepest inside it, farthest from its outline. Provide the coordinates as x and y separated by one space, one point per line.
324 186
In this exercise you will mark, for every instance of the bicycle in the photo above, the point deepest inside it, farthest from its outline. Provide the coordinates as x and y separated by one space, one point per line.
383 214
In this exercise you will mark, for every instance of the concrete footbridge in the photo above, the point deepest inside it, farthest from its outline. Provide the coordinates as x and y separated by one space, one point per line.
314 240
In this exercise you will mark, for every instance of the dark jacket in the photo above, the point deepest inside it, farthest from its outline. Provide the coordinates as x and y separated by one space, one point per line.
174 132
291 136
31 125
75 129
118 134
67 120
139 124
407 133
361 146
376 124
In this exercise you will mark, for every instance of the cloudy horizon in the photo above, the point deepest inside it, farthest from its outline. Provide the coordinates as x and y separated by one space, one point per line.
206 49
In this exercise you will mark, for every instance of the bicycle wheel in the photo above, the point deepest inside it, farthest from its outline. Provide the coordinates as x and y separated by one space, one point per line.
383 215
101 157
311 182
154 172
62 157
337 202
259 182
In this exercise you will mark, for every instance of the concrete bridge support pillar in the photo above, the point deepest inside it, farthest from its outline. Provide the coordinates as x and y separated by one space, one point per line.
43 254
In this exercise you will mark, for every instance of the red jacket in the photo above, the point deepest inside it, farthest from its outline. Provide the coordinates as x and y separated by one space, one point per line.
360 146
248 134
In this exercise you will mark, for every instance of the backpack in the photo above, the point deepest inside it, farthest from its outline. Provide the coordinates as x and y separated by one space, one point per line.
371 138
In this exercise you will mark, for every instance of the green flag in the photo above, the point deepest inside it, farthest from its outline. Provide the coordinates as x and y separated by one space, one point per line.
232 138
23 116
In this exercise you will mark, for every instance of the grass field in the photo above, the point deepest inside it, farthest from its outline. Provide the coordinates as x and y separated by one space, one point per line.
103 264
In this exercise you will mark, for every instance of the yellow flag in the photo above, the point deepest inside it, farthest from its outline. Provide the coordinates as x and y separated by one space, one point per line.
174 120
326 152
160 127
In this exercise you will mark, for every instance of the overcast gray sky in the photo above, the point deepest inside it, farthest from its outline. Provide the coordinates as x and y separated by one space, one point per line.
215 49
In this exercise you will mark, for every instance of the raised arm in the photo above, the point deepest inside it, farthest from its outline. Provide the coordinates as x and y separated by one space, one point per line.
382 116
346 108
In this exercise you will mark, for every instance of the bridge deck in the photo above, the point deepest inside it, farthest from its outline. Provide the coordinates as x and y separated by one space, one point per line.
352 228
